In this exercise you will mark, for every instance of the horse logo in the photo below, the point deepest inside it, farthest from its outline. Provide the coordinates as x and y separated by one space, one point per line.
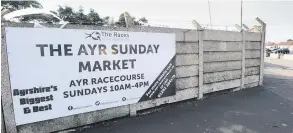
95 35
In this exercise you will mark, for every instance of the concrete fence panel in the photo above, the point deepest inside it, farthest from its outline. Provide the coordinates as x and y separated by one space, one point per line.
221 56
187 48
252 71
252 54
186 71
221 76
216 35
252 45
188 82
252 62
253 36
218 86
206 61
186 59
221 66
222 46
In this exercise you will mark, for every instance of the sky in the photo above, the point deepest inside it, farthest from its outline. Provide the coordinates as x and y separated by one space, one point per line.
180 13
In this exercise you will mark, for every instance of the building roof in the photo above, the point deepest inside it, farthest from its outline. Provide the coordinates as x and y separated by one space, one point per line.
289 43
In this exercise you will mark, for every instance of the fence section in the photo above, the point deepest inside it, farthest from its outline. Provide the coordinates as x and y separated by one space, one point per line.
206 61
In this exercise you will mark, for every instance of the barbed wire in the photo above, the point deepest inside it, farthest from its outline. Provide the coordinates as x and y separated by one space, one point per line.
191 26
169 24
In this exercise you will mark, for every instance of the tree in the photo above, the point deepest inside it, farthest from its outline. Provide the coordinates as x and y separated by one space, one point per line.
289 40
106 20
94 18
121 21
143 19
53 19
81 17
67 14
10 6
131 20
17 5
111 22
255 28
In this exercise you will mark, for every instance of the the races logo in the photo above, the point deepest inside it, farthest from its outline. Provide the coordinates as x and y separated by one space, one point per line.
95 35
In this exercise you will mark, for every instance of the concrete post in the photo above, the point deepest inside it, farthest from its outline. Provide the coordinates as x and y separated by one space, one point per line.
132 110
2 121
6 99
200 63
243 60
263 35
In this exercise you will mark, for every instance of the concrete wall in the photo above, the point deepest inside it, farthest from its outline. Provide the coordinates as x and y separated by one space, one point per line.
206 61
222 59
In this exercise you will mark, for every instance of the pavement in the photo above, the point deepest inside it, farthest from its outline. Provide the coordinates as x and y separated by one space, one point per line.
278 77
267 109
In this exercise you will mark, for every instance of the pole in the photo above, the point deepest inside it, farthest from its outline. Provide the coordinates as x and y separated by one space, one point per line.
241 14
126 20
210 14
263 35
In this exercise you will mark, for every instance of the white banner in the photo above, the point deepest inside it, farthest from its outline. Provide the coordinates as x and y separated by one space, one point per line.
61 72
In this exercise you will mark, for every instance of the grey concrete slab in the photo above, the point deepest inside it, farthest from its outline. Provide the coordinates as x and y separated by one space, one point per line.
253 36
180 95
251 79
186 48
221 66
221 76
250 85
186 59
251 71
219 35
222 46
190 35
252 54
188 82
218 86
252 45
186 71
252 62
221 56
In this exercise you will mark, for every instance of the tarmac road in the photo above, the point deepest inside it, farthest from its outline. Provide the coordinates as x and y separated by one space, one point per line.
279 77
267 109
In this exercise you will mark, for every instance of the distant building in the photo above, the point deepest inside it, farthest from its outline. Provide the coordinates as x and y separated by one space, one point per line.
270 45
288 44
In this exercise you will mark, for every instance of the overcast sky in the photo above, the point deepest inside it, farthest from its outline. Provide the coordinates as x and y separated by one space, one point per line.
179 13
